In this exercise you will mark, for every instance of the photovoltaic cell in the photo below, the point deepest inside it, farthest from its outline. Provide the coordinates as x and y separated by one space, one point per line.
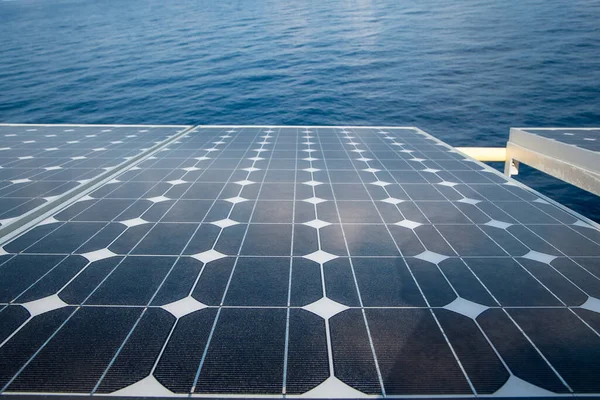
312 262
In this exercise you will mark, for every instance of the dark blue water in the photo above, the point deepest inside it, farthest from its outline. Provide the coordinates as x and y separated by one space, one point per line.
464 71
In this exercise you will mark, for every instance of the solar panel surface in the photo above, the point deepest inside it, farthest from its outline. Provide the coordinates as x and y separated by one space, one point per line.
322 262
38 163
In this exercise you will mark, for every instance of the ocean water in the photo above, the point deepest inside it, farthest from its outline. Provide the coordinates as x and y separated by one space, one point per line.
463 71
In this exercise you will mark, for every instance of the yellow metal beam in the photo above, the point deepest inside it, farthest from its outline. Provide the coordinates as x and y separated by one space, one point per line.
485 153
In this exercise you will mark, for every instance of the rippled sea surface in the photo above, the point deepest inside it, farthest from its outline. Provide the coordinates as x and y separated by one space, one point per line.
463 71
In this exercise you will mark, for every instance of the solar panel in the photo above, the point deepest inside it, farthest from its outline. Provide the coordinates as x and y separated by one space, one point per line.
584 138
571 155
315 262
39 163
